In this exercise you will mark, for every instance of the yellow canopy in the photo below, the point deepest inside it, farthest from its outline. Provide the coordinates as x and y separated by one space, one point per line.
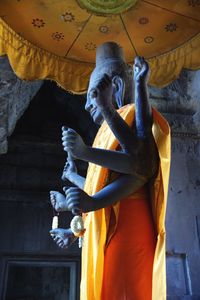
57 39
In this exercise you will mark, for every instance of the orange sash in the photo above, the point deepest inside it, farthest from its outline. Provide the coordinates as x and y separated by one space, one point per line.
96 223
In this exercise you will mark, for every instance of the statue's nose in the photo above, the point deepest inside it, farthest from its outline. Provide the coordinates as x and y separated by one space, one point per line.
88 104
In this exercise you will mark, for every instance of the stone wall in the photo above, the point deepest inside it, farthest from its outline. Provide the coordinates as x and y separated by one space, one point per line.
15 96
180 104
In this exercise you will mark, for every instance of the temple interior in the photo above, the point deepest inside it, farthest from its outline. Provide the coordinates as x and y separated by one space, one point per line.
31 164
44 73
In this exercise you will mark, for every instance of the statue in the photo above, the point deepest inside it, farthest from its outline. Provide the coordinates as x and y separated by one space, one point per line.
120 237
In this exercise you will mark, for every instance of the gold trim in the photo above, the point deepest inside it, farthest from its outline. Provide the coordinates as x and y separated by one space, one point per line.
30 62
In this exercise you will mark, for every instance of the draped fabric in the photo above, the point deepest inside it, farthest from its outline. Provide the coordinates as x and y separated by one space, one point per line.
56 39
96 223
129 254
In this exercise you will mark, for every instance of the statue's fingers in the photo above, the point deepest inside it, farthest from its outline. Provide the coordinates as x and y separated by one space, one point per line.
73 203
74 200
60 244
69 140
54 231
68 131
68 143
71 189
65 246
69 136
145 67
68 148
76 211
56 238
137 61
64 128
65 188
52 194
64 133
72 193
60 241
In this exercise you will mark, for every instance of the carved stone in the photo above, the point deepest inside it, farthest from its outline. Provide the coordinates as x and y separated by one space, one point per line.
180 102
15 96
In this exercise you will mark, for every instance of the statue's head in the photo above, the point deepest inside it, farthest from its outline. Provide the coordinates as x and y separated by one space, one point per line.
110 60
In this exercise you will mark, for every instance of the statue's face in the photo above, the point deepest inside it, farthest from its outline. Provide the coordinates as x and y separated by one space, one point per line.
118 91
91 106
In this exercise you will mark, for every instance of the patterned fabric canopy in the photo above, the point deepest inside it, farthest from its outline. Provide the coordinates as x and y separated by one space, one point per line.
57 39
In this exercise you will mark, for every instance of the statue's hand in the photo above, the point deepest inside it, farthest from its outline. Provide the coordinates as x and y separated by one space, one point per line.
64 238
73 143
78 201
69 169
141 70
102 93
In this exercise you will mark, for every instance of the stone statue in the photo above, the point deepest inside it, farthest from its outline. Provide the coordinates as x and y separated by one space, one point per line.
130 165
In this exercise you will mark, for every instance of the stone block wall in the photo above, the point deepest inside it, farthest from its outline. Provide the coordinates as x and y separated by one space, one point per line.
15 97
180 104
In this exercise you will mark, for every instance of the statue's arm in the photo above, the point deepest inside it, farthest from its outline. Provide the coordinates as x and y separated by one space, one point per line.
70 173
77 180
143 159
114 160
125 185
123 133
143 110
140 152
117 161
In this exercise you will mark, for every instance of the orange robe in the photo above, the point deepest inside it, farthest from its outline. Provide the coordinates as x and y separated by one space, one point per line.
126 261
129 255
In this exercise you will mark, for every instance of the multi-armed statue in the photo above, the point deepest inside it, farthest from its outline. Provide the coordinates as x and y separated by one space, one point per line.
120 237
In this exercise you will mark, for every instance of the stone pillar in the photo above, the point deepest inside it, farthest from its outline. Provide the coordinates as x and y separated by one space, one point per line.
180 103
15 96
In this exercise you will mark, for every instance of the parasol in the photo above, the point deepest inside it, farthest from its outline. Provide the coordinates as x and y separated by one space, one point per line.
57 39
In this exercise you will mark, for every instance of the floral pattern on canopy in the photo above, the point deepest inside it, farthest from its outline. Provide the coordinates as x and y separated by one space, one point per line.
56 39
